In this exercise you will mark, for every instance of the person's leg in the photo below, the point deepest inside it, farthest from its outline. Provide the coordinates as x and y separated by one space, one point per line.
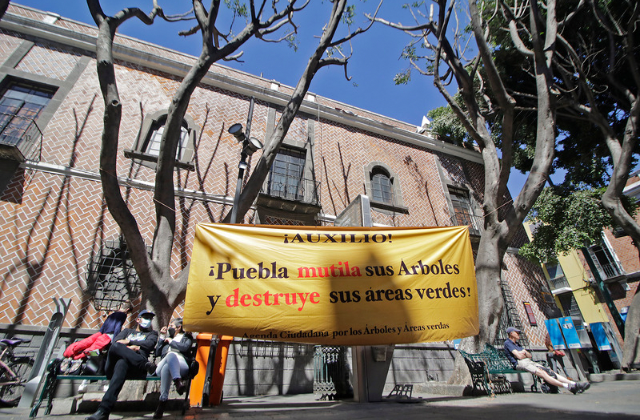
560 380
165 380
539 371
101 342
178 369
78 347
134 359
116 382
177 366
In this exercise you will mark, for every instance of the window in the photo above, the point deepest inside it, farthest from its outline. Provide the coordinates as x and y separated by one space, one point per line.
111 277
605 261
570 306
147 147
286 179
152 148
20 106
381 187
462 210
530 314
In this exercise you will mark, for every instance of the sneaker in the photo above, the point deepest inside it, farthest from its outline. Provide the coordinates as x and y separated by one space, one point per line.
575 388
150 367
83 387
584 386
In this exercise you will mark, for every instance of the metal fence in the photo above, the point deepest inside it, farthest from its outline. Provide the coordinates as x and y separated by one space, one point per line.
331 372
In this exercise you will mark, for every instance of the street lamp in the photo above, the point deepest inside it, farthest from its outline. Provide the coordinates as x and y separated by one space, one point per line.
249 146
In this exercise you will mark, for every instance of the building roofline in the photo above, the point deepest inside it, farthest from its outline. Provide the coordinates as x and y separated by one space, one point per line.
83 41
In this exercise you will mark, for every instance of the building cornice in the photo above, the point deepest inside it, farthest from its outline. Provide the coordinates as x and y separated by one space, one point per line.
138 56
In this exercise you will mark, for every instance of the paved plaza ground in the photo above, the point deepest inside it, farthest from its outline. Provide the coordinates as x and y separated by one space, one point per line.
604 400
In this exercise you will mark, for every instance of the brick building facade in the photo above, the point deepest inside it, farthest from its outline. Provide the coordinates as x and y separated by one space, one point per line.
59 241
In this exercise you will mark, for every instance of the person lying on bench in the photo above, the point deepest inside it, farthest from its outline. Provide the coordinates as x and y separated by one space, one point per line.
521 360
174 346
100 340
128 358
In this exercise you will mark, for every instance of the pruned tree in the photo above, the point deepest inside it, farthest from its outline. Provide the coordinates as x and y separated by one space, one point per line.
160 291
594 97
486 104
599 79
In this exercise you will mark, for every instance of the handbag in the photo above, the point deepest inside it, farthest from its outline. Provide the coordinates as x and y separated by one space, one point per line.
559 353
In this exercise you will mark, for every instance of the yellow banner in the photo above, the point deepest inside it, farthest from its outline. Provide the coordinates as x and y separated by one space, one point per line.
346 286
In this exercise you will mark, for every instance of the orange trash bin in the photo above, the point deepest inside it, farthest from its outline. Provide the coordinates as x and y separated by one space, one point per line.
219 367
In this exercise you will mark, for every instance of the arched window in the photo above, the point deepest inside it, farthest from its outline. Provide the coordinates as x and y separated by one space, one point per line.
381 186
147 147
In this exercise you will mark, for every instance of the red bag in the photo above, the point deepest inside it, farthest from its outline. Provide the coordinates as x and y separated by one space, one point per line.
558 353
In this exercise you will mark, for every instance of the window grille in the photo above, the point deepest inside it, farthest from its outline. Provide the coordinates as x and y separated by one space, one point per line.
286 175
111 277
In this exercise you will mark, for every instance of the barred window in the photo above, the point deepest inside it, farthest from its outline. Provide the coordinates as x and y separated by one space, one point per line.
111 277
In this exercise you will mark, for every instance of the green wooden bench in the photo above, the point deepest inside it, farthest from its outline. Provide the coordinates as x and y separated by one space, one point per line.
488 368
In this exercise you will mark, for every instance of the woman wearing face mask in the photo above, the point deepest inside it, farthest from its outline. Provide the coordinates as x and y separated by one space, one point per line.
174 346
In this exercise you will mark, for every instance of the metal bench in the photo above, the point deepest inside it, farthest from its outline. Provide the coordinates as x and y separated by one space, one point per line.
488 368
54 376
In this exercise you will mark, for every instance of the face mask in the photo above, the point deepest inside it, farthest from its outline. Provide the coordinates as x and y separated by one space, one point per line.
172 332
145 323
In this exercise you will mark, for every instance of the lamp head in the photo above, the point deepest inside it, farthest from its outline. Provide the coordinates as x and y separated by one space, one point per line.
236 131
252 145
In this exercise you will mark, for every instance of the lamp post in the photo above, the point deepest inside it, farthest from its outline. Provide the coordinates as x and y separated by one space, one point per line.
249 146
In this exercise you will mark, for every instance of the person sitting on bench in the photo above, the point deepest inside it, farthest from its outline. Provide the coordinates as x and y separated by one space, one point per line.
128 358
174 346
521 360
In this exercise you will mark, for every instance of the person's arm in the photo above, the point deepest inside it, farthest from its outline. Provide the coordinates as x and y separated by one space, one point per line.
159 347
515 350
520 354
149 343
122 336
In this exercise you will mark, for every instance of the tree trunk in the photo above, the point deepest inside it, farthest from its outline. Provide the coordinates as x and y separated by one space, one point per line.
630 354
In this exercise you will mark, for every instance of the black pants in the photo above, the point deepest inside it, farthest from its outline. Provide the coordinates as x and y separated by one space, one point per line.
122 364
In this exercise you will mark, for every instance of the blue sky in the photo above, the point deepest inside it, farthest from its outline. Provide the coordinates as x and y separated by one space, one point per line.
372 66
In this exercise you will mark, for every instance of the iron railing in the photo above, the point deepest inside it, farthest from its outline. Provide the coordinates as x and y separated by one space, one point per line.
611 270
559 283
294 189
475 223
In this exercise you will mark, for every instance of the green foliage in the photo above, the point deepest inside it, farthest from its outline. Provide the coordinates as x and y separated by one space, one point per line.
237 7
402 78
566 220
349 14
447 127
292 40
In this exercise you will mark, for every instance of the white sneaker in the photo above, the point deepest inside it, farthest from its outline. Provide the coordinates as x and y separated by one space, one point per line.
83 387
